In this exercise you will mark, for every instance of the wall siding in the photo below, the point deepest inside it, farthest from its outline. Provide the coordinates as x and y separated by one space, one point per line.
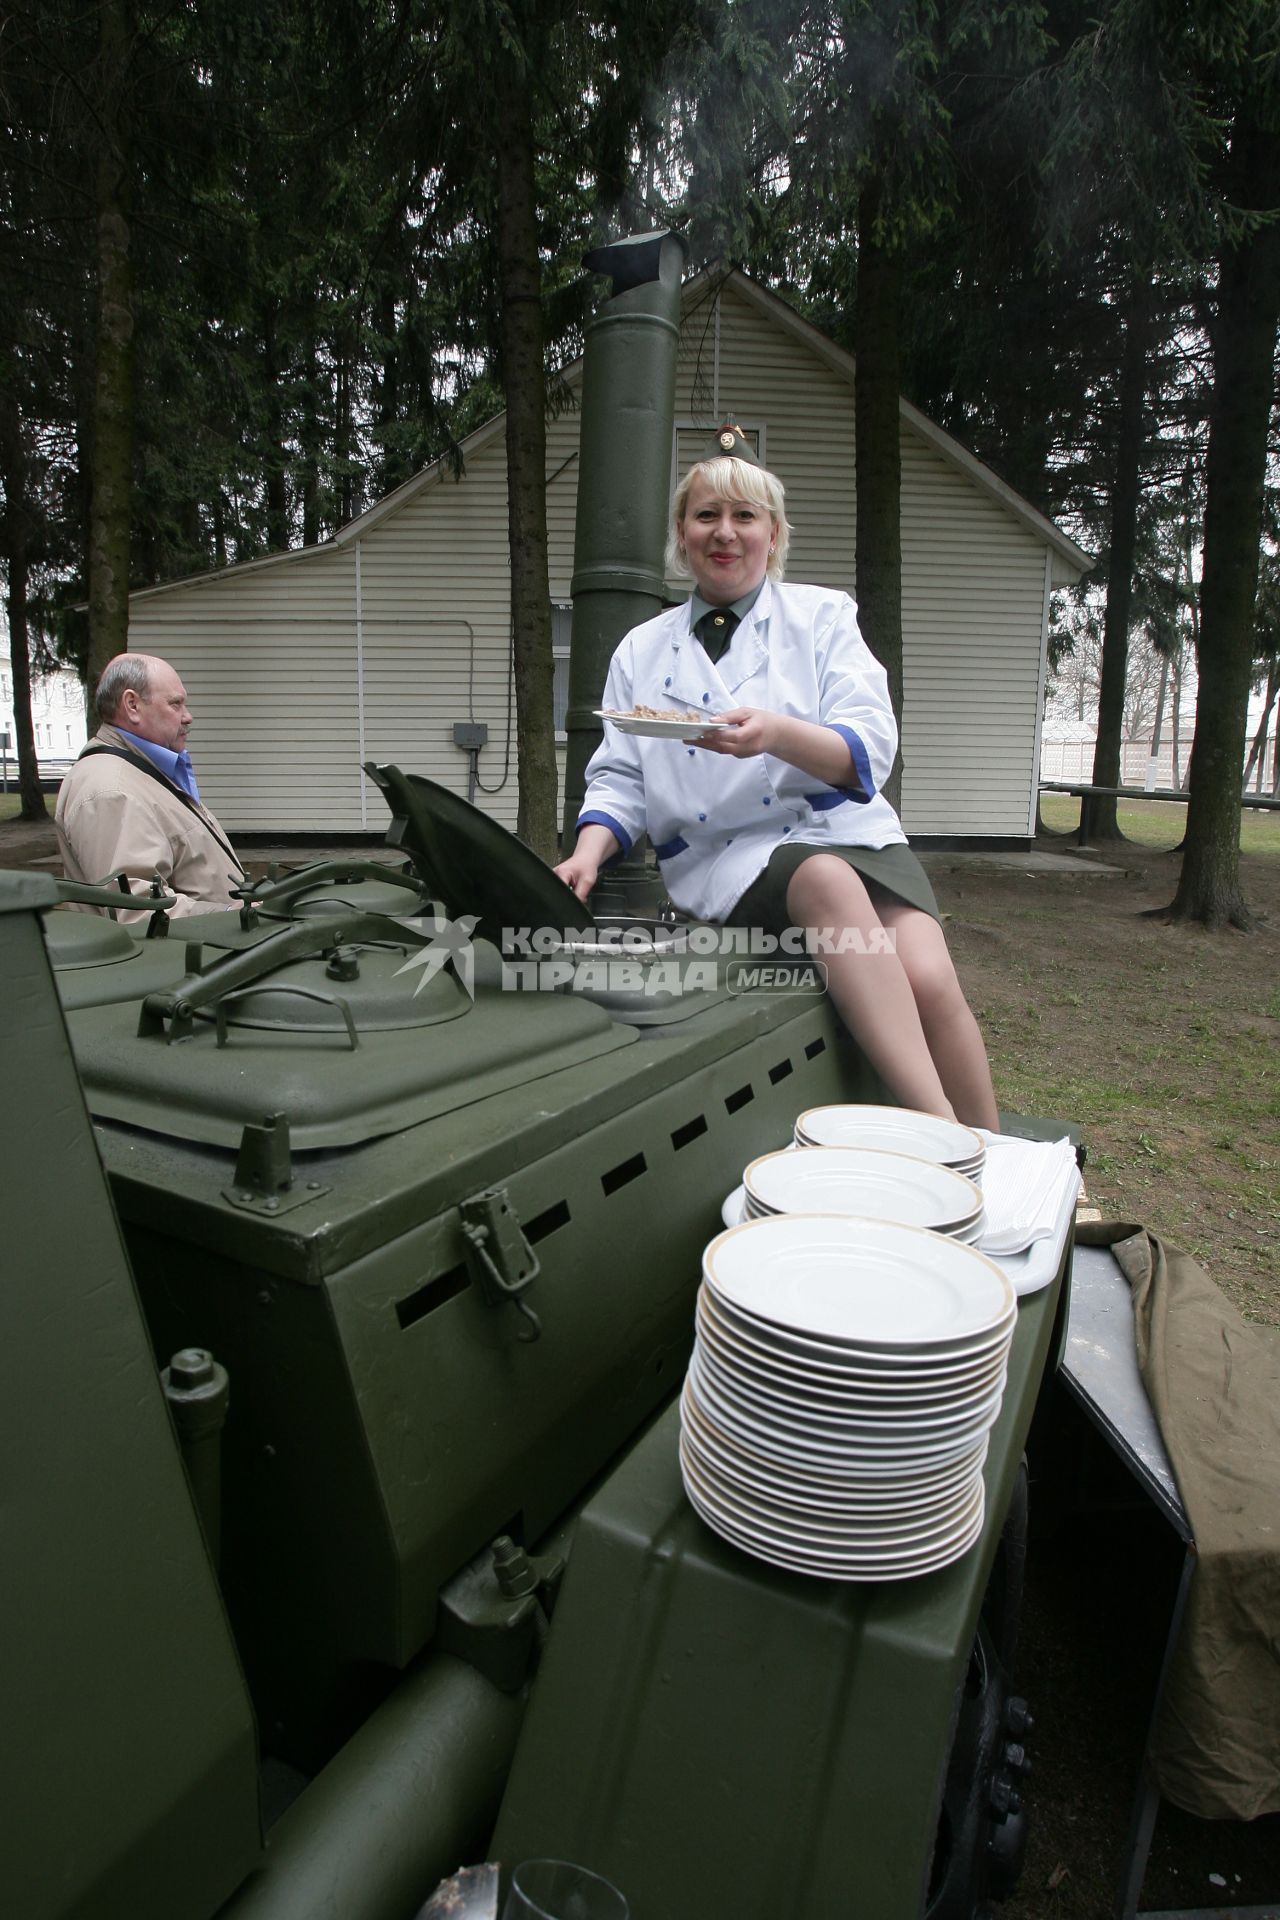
271 659
972 609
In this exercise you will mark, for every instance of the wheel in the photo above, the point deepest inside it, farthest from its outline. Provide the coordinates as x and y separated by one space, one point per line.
982 1828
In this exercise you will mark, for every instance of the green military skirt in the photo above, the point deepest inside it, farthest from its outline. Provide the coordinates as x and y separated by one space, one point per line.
893 872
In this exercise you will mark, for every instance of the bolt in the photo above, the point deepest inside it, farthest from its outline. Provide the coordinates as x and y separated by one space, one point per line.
193 1367
1015 1756
1001 1799
513 1568
1016 1717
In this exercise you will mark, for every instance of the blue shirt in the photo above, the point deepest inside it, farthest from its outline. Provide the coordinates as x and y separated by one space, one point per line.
174 766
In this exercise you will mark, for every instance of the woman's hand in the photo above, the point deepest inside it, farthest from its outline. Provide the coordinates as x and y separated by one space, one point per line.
806 744
580 871
751 730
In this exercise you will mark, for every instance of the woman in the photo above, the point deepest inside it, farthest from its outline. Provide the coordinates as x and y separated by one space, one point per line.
794 830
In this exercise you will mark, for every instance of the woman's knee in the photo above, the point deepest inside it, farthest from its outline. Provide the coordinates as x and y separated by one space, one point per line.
933 978
826 889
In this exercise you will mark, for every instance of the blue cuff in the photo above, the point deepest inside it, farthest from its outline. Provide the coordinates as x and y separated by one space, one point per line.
615 827
866 788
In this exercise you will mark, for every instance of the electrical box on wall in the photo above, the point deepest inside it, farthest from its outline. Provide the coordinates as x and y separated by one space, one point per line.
470 735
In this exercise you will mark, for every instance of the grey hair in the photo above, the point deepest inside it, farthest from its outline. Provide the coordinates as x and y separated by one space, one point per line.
731 479
127 673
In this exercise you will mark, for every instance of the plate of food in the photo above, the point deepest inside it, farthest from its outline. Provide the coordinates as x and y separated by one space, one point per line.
660 723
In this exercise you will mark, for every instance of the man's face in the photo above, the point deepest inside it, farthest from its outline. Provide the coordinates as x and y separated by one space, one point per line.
161 715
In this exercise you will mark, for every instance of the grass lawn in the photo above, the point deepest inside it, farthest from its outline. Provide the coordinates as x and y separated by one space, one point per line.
9 804
1161 823
1159 1040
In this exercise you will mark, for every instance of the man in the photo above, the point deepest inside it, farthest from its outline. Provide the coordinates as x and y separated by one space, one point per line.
130 804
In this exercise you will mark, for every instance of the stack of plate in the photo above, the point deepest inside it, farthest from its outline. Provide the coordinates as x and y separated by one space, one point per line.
866 1181
845 1377
899 1130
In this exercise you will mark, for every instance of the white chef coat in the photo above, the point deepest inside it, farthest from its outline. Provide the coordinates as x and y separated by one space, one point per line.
714 821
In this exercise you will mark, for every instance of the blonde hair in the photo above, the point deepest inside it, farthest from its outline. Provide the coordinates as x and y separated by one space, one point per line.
731 479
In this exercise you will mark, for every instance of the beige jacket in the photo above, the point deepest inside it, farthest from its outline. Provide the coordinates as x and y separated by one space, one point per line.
116 818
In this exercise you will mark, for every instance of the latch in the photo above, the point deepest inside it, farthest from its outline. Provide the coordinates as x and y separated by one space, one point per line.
264 1181
502 1262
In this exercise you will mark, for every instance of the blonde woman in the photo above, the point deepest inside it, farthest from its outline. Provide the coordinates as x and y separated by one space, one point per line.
776 819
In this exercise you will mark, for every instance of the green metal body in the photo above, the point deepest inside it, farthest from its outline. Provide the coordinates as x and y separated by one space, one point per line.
389 1417
720 1738
450 1273
130 1780
410 1795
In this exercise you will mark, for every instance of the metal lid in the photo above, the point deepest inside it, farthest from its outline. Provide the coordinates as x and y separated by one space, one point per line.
86 940
473 865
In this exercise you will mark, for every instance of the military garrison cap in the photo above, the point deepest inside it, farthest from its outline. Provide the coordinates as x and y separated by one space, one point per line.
730 444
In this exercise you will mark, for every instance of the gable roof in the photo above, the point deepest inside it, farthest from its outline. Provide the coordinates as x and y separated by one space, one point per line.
1070 560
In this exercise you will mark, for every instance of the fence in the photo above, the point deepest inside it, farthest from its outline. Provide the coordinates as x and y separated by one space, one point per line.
1073 760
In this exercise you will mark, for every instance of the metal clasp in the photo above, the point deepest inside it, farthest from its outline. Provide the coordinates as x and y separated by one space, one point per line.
502 1262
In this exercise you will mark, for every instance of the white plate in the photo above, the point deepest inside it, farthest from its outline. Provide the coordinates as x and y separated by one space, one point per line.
945 1367
865 1566
867 1181
733 1207
879 1505
834 1533
662 729
840 1456
923 1473
886 1412
897 1129
785 1373
868 1284
969 1234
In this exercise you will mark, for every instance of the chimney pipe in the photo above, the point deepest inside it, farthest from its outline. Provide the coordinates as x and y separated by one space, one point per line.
624 482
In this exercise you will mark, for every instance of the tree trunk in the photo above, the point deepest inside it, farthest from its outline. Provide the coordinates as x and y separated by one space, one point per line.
17 546
344 434
274 460
33 805
111 501
1244 340
1124 530
392 466
309 435
877 452
1258 751
1175 729
524 389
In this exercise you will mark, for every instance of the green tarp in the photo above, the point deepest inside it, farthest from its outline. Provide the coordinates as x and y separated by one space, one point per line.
1213 1380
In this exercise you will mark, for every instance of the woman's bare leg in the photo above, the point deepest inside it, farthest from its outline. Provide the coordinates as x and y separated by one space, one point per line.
953 1035
871 989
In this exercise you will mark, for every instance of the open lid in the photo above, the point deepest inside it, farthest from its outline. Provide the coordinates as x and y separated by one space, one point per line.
473 865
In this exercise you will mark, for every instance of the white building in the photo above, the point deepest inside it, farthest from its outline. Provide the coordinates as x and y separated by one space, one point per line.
372 645
57 715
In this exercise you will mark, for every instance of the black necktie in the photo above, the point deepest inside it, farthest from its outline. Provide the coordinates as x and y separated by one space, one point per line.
715 630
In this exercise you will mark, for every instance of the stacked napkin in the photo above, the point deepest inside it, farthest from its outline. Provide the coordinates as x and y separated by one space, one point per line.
1022 1190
